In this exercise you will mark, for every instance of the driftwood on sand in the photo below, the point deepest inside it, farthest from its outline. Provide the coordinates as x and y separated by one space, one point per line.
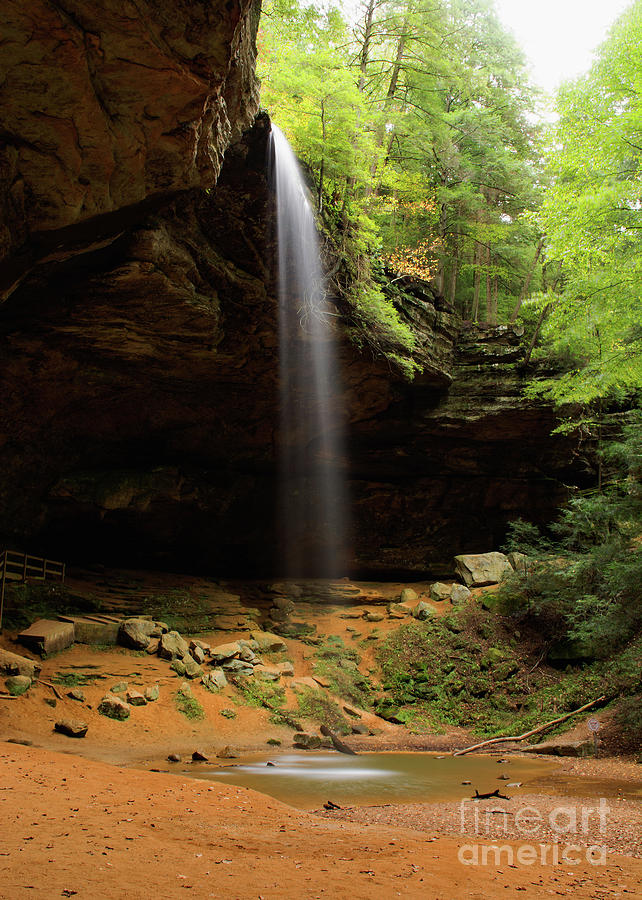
527 734
491 796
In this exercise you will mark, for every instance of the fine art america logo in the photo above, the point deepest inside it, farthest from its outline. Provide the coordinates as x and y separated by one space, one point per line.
565 835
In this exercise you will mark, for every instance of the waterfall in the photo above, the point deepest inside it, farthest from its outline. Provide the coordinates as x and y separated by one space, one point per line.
312 492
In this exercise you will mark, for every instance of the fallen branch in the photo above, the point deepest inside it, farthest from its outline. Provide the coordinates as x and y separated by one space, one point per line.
8 697
491 795
52 686
527 734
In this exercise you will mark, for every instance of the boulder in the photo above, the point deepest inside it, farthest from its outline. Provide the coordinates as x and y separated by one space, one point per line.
174 757
173 646
193 644
192 668
18 684
519 561
71 727
135 698
267 673
479 569
224 652
423 611
152 693
247 654
197 654
120 687
408 596
136 633
237 667
440 591
352 614
303 683
459 594
13 664
268 642
285 668
113 707
214 679
199 756
304 741
226 753
152 647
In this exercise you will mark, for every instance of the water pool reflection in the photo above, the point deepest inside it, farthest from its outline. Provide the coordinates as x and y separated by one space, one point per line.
308 780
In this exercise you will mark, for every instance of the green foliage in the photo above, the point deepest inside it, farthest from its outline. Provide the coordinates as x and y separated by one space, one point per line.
592 219
315 705
74 679
189 706
339 665
582 586
416 128
260 693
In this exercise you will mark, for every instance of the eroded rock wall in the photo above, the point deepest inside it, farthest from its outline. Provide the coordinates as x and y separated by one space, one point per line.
109 106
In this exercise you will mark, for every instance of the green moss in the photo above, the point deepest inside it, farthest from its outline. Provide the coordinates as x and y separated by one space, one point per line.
320 708
189 706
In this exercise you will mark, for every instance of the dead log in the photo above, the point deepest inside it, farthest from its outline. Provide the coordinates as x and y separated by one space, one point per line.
338 744
527 734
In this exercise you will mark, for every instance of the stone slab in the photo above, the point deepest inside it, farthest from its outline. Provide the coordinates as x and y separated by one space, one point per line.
48 636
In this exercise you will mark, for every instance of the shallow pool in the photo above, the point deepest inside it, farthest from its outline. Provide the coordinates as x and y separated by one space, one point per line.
307 780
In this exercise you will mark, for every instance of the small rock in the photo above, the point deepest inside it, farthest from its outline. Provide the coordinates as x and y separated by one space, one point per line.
18 684
237 667
246 654
466 782
352 614
173 757
120 687
351 711
152 647
371 616
179 667
194 643
51 701
286 668
113 707
423 611
152 692
192 668
320 680
76 694
71 727
224 652
197 756
135 698
14 664
399 610
408 596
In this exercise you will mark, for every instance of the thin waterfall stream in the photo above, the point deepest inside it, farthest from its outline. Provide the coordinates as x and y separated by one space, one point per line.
312 494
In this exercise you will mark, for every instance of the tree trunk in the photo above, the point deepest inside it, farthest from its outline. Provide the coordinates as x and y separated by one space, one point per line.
477 282
489 296
527 282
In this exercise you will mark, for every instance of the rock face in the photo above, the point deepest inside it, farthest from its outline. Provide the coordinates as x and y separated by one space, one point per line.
139 362
109 105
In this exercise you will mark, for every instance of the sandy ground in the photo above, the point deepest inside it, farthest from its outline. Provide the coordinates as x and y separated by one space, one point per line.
74 827
87 818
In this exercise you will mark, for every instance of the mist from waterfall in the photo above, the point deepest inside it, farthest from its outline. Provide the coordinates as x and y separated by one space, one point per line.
312 493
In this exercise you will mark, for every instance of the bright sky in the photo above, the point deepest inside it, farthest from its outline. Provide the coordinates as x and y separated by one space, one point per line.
559 36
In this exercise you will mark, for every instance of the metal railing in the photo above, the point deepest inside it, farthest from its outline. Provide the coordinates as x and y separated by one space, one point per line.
16 566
